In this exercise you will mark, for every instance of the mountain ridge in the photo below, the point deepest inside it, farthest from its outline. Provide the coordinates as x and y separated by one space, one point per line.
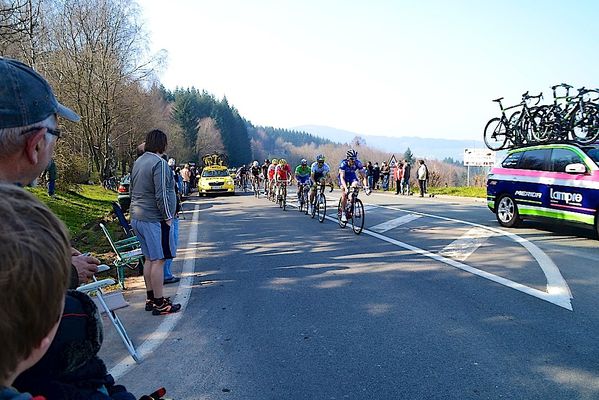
438 148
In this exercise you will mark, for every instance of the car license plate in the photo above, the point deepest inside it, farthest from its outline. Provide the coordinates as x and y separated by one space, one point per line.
216 187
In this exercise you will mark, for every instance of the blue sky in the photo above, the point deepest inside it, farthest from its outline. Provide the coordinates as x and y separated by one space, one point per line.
395 68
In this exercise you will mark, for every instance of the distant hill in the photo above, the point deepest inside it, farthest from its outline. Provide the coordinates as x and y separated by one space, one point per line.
420 147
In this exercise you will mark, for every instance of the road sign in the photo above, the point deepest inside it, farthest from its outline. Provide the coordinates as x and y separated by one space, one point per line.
479 157
392 161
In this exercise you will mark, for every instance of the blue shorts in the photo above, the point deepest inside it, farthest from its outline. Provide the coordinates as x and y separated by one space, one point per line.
303 179
157 239
349 179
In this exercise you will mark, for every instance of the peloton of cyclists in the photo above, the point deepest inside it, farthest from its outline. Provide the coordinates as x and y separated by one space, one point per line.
318 174
282 174
302 176
349 169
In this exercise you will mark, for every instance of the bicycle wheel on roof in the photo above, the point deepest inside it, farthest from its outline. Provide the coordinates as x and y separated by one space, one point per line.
495 134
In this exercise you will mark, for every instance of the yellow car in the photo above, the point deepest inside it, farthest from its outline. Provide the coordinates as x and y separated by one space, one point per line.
215 179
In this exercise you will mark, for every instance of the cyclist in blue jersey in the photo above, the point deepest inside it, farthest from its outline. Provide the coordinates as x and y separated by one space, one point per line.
349 169
318 172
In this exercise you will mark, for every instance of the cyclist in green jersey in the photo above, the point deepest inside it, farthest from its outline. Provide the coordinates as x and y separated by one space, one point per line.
302 175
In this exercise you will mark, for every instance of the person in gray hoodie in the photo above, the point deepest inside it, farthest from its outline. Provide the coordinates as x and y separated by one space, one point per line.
153 207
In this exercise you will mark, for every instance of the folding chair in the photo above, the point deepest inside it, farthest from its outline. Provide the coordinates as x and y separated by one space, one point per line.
108 304
128 254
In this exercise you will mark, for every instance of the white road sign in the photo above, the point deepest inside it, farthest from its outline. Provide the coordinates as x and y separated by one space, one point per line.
479 157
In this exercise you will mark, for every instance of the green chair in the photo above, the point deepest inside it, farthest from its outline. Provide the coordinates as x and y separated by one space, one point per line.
128 254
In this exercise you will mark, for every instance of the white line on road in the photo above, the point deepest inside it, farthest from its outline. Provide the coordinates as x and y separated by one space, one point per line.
169 322
467 244
394 223
558 291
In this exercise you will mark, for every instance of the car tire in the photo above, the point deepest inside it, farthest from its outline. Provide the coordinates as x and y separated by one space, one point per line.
506 212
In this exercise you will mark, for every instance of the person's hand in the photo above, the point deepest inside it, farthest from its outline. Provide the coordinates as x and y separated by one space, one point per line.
85 265
169 221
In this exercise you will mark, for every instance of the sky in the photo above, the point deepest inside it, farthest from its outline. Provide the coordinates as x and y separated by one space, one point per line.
393 68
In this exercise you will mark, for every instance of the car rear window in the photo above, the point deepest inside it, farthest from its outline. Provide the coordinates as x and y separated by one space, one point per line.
593 152
534 160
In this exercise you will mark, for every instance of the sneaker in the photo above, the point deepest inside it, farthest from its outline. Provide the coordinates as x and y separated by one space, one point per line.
149 305
167 307
343 217
172 279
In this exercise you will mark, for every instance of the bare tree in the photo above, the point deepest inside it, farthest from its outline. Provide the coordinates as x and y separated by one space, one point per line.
209 139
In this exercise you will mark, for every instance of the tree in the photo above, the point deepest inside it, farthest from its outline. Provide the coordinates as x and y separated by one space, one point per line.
408 156
209 139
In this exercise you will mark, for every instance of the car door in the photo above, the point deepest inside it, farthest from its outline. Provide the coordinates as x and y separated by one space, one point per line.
531 191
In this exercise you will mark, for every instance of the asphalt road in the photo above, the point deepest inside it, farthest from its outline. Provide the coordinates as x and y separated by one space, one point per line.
283 307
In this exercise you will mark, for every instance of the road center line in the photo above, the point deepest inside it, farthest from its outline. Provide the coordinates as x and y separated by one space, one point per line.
169 322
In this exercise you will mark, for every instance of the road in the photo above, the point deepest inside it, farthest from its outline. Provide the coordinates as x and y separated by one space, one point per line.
431 301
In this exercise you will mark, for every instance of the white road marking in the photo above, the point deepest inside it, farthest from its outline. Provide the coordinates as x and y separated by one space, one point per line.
169 322
467 244
394 223
558 291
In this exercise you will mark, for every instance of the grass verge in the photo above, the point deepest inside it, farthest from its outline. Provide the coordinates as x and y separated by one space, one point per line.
461 191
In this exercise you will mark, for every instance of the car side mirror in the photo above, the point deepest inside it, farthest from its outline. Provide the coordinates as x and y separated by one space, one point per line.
577 168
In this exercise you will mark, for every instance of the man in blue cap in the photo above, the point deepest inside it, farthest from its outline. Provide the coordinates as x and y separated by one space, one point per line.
29 131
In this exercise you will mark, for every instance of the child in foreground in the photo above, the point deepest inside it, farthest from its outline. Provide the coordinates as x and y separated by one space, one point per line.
34 273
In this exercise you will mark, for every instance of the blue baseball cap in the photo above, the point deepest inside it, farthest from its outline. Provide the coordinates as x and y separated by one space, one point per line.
26 97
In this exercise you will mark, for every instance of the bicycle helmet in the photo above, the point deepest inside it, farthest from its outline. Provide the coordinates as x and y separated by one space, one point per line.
282 161
320 158
274 161
304 161
351 153
255 164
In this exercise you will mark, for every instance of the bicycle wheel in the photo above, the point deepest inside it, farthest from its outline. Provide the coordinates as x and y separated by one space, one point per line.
495 134
313 212
584 124
339 211
517 130
357 218
321 207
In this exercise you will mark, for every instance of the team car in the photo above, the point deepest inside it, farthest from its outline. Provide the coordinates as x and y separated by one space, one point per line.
215 179
557 182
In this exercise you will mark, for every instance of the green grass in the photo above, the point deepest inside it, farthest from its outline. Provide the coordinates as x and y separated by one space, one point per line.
462 191
82 211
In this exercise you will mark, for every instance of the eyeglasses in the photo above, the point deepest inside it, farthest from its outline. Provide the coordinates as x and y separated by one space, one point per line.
53 132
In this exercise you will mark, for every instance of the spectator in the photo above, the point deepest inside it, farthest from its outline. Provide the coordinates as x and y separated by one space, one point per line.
186 177
406 177
153 207
398 176
422 177
376 173
385 172
168 274
28 135
51 175
368 171
34 275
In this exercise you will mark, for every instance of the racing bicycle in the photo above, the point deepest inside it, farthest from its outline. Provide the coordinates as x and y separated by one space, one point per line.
302 197
282 193
319 205
354 211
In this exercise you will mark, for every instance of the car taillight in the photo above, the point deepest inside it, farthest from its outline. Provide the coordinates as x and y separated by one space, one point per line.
122 189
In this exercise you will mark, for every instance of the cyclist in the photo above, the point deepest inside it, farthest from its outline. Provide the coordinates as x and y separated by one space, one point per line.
255 171
271 175
349 169
318 172
302 176
282 174
264 175
241 176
